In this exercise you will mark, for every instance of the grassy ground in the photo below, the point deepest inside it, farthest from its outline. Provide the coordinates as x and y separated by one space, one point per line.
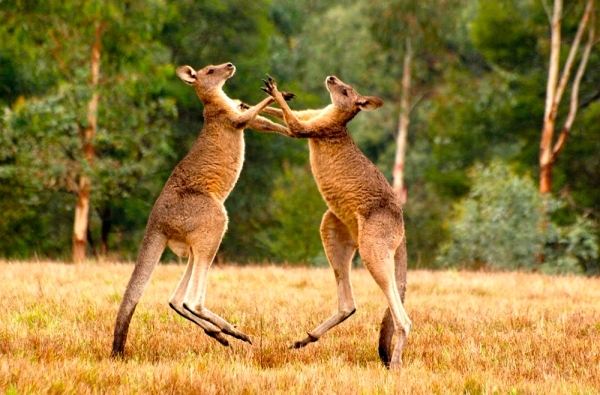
473 333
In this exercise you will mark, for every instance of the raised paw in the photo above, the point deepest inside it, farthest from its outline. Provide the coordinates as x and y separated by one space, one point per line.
243 106
287 96
270 86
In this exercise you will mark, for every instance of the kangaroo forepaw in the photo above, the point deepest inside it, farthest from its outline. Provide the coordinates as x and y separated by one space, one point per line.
287 96
270 86
243 106
304 342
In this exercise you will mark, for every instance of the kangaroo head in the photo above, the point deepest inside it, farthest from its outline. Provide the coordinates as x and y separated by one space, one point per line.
208 80
346 98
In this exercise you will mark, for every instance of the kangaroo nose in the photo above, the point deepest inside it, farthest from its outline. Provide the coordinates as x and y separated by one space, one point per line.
331 78
230 65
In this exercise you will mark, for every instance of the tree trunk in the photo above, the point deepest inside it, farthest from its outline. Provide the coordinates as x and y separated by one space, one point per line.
551 105
81 219
82 210
404 120
554 90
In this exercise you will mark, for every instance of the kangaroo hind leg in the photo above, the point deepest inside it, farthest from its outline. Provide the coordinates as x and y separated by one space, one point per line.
378 248
151 249
340 248
387 328
205 243
176 303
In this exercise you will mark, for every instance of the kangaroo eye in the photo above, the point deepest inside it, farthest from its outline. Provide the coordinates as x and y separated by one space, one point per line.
344 92
210 71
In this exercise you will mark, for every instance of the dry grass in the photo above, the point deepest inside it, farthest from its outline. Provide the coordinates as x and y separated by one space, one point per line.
472 333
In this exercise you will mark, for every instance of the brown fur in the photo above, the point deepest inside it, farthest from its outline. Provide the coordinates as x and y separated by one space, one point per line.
189 215
364 212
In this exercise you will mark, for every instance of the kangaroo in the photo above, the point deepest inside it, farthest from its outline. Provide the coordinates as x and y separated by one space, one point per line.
363 211
189 215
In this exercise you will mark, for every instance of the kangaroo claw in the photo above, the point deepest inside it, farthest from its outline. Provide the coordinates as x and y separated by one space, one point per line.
287 96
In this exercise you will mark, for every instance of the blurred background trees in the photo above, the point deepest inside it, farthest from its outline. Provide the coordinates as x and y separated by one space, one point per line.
479 74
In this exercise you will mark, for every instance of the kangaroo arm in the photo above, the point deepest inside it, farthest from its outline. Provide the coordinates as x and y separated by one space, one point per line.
262 124
275 112
297 128
302 115
244 118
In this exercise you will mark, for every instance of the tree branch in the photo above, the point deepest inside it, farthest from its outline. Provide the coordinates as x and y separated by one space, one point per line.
562 138
564 79
547 9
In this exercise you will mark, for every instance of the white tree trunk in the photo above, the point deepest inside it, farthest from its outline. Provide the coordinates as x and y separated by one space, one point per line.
82 210
404 120
554 90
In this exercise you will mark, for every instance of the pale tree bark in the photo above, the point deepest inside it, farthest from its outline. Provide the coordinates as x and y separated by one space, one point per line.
549 149
82 210
403 122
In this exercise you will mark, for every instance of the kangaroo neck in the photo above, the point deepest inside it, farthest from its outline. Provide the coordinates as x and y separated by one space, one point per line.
334 140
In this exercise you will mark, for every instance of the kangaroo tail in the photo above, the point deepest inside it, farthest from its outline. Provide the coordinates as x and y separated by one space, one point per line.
386 331
151 249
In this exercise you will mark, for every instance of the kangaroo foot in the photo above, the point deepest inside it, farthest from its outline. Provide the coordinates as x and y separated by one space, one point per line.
218 336
304 342
219 322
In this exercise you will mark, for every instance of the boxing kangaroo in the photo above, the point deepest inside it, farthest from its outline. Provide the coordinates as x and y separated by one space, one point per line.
189 215
363 211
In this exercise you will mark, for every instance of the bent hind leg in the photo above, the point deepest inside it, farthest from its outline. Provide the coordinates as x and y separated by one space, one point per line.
151 249
339 247
176 303
204 243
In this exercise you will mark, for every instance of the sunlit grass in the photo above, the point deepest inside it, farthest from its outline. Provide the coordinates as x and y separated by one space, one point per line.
476 333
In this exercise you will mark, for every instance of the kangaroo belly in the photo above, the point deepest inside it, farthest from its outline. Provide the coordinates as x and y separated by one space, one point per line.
180 249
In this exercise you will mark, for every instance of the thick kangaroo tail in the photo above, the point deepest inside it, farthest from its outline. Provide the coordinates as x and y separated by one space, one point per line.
386 332
151 249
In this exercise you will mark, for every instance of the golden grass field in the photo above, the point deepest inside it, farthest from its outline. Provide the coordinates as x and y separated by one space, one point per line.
473 333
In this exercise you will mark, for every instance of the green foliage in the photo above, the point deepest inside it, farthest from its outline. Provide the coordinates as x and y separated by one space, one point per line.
572 248
42 150
42 153
498 225
512 49
297 207
505 224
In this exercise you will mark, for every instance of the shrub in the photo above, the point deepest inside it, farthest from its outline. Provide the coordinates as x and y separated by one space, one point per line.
504 223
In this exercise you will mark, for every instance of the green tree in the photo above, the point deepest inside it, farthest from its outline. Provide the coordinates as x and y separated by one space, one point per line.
93 65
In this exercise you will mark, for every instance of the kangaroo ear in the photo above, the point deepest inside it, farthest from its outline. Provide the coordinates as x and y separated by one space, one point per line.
369 103
187 74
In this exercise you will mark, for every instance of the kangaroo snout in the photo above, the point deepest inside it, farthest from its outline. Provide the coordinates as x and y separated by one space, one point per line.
331 79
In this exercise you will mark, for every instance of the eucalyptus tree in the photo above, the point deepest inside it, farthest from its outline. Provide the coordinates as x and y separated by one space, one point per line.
97 117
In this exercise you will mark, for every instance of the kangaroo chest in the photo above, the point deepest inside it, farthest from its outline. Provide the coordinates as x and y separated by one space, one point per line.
340 178
214 164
